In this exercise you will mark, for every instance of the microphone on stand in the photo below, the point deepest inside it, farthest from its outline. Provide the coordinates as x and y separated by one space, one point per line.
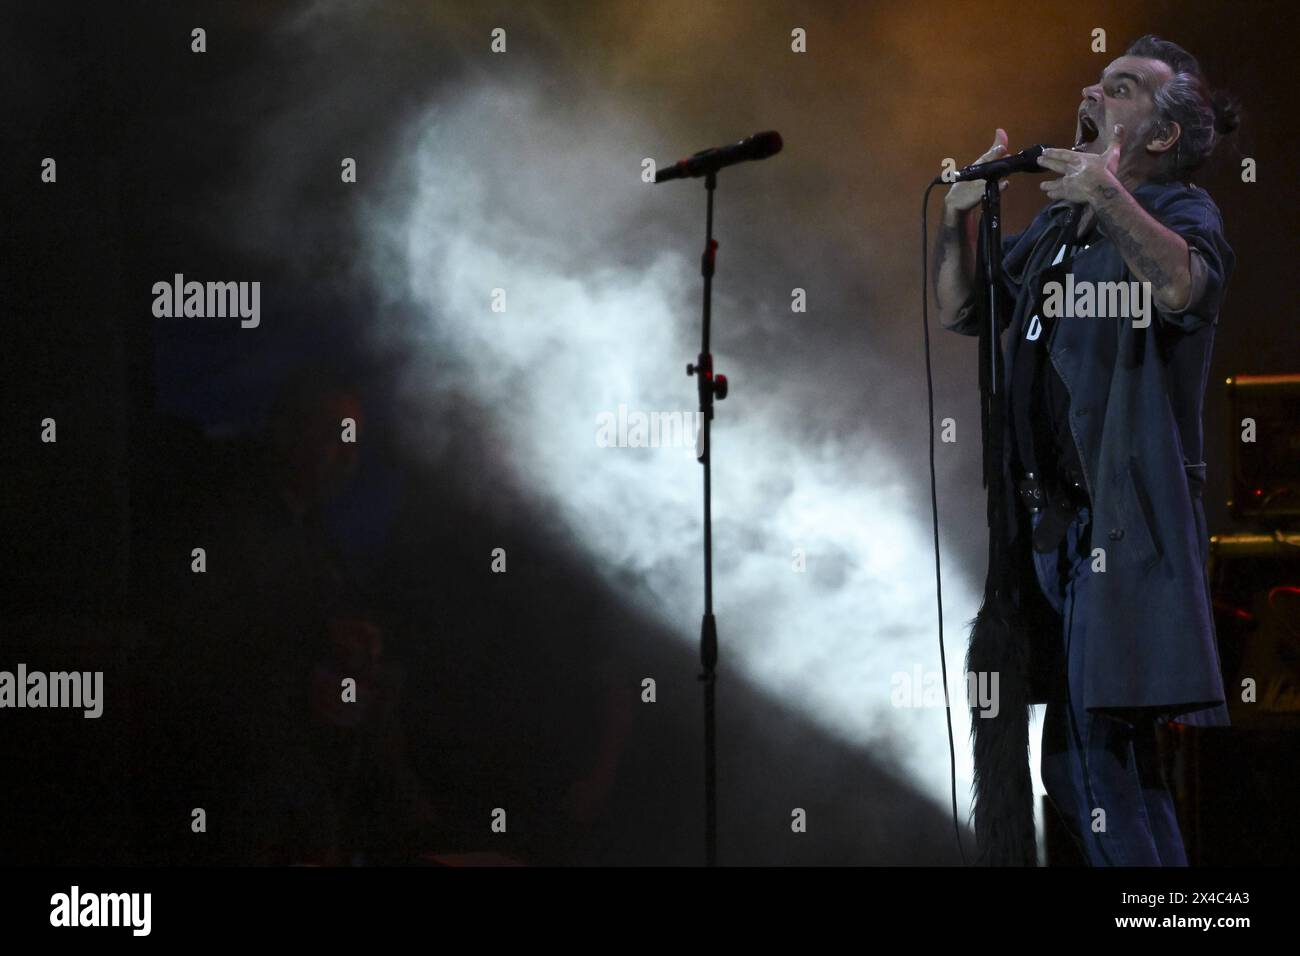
758 146
1025 161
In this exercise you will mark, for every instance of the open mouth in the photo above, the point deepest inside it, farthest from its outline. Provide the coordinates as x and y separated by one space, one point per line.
1088 131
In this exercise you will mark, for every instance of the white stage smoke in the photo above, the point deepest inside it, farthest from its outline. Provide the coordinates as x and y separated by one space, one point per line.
510 193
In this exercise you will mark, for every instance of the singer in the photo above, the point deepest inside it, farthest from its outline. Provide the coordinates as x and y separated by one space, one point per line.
1104 465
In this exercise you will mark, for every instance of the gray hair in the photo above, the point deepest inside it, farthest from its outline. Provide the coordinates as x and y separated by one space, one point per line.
1203 116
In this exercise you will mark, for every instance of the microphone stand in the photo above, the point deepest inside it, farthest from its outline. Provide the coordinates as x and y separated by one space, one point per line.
1003 791
992 397
709 386
1004 812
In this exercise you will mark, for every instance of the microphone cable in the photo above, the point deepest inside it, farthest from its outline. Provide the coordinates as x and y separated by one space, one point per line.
934 509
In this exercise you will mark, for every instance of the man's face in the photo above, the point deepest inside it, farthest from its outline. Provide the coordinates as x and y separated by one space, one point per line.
1123 95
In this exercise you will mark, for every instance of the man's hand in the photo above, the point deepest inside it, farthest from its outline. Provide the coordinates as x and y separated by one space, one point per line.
963 197
1086 178
1153 252
954 250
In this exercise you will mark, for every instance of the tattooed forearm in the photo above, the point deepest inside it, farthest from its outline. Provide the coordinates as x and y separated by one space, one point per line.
954 258
1154 253
1146 266
949 236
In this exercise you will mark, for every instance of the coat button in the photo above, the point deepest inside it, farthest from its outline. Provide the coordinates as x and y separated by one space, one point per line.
1116 534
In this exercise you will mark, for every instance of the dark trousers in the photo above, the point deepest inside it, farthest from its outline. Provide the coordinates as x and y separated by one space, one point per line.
1102 773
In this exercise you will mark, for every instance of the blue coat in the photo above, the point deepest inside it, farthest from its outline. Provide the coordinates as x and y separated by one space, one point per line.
1136 397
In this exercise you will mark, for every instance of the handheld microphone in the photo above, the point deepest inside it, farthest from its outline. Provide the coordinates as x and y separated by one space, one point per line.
758 146
1025 161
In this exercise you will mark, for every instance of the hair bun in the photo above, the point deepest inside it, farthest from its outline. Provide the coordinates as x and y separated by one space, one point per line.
1227 114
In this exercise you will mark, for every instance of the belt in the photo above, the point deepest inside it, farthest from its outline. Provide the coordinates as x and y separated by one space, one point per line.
1058 502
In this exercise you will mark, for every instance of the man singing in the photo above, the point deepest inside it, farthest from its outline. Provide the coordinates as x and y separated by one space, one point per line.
1104 439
